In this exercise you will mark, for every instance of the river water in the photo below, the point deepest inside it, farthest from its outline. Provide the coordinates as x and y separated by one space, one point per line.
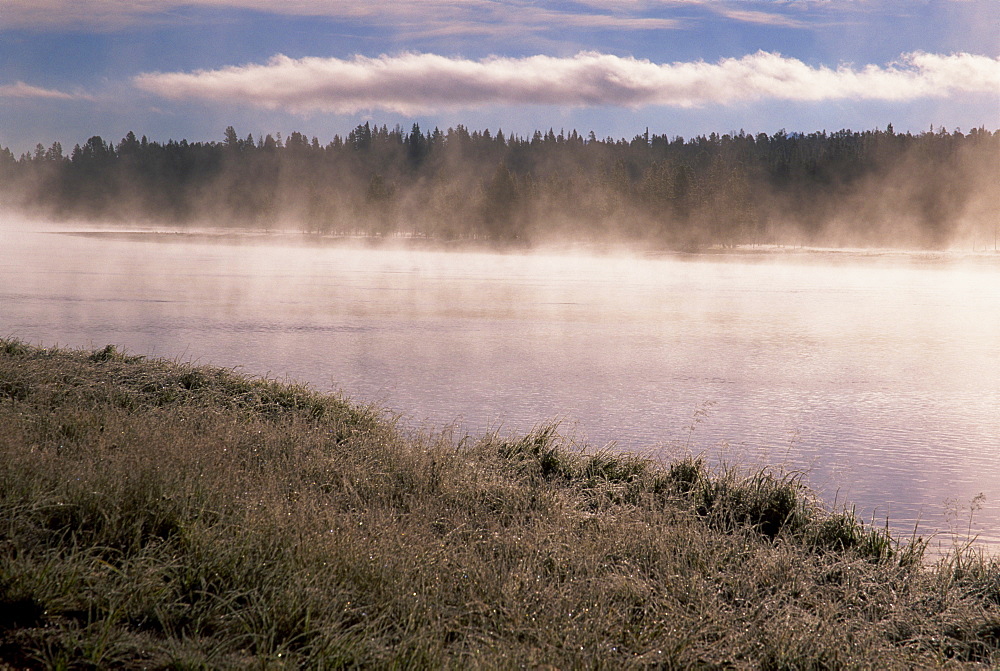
876 375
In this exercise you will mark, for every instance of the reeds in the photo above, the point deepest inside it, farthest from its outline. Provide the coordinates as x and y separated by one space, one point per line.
160 515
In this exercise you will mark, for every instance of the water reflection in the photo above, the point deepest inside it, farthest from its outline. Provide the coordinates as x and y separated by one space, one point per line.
879 377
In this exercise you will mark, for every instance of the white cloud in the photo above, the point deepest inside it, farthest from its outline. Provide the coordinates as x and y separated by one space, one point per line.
416 83
22 90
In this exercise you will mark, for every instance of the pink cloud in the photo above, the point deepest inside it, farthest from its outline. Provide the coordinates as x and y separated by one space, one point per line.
415 83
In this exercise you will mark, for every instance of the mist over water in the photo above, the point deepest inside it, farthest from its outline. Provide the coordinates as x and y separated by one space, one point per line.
878 375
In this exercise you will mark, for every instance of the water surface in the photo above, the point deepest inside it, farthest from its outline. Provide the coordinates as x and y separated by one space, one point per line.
878 376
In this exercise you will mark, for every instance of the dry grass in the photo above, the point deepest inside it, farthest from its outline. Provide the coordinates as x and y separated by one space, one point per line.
158 515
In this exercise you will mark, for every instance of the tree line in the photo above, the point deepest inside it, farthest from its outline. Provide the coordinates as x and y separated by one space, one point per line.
875 187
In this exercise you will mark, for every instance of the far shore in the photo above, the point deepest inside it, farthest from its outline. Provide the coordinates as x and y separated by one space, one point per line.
984 254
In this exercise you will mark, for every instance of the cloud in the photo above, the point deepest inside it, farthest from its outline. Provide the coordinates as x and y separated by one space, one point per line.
763 18
406 15
506 22
418 83
418 16
22 90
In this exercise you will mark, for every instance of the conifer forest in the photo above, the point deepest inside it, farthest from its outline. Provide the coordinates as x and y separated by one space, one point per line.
929 190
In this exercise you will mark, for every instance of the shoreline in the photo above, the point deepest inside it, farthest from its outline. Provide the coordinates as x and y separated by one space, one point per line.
423 243
199 517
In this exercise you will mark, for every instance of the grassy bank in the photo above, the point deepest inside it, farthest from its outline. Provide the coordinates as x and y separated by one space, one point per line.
159 515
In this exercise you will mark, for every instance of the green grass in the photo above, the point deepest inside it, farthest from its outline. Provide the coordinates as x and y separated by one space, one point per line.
160 515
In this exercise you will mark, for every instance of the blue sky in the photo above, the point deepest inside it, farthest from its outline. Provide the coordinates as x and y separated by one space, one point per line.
70 69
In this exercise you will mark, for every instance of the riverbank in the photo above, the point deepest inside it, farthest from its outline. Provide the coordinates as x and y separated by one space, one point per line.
163 515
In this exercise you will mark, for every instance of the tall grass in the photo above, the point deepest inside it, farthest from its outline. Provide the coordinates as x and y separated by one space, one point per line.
160 515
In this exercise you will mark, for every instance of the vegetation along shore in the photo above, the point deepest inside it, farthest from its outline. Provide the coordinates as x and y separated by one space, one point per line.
161 515
933 190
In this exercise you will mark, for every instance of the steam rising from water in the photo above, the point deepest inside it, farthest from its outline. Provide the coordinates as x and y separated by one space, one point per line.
874 373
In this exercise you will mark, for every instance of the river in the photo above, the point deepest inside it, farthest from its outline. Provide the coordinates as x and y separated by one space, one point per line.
877 375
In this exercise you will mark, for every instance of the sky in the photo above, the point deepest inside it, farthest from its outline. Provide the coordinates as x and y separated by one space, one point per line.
187 69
